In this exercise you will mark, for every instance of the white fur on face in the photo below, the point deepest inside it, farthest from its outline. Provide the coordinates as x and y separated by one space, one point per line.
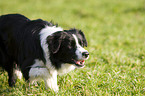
79 49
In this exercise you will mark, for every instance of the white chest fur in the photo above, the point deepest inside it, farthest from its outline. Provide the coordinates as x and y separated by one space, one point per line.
65 68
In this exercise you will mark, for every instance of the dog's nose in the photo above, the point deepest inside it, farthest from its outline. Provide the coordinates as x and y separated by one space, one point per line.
85 54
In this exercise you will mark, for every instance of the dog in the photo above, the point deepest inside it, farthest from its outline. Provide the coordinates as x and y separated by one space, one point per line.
41 49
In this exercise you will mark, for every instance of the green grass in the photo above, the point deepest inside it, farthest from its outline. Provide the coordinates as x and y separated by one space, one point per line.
115 30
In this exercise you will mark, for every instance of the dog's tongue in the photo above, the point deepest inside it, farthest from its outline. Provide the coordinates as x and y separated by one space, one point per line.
81 62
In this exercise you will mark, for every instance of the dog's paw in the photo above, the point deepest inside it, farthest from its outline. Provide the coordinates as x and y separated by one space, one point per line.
56 89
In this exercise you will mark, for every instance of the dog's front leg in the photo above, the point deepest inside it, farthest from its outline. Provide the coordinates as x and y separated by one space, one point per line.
51 81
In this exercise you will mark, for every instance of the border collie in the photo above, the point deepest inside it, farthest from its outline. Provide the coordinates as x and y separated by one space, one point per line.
40 49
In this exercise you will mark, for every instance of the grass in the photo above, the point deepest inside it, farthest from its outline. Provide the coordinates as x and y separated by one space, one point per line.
115 30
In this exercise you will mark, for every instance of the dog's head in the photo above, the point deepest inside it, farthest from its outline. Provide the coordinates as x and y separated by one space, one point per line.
68 47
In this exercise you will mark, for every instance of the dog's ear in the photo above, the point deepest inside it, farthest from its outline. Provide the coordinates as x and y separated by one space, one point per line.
55 41
83 38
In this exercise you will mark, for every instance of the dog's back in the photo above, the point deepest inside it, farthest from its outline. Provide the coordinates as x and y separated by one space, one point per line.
9 26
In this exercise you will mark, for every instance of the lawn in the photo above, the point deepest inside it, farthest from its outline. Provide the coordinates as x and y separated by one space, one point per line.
115 30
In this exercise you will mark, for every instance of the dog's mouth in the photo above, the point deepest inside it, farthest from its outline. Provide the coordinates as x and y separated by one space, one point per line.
79 63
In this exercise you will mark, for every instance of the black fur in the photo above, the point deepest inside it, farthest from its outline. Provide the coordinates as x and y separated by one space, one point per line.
65 48
20 44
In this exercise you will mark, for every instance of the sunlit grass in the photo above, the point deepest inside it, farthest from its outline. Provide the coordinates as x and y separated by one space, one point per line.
115 30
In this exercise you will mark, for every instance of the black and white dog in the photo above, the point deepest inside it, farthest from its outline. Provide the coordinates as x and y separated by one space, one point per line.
40 49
